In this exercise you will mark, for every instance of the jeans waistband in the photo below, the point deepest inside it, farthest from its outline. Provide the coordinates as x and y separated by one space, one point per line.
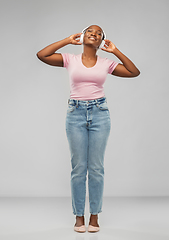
85 102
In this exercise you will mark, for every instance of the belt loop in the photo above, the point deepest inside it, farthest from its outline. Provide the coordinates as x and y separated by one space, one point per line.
77 103
96 102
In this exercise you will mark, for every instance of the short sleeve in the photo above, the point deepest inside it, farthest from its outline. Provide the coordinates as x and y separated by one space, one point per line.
111 65
66 59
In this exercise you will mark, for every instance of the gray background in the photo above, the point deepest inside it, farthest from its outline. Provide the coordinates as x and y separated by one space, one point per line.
34 151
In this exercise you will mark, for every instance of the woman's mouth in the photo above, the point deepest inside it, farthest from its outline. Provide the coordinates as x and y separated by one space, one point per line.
92 38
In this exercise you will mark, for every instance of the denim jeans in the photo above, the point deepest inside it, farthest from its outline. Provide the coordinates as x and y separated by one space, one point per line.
87 128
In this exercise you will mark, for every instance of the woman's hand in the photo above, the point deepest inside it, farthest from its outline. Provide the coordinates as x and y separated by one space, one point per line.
74 39
109 46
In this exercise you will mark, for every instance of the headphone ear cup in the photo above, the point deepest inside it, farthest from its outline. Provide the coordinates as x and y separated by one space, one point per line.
102 44
81 38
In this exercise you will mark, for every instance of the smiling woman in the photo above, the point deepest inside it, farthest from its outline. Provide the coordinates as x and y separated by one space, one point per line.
88 120
90 30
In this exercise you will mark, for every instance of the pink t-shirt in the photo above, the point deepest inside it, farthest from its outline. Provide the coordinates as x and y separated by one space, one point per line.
87 83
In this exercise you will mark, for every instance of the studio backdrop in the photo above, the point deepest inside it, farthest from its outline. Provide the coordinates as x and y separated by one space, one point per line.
34 151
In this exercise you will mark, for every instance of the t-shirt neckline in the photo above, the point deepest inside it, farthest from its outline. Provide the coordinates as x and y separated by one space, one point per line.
84 65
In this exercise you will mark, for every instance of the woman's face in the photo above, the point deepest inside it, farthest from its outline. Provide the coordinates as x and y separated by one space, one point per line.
93 36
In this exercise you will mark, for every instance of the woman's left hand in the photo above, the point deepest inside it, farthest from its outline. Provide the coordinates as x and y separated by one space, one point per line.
108 46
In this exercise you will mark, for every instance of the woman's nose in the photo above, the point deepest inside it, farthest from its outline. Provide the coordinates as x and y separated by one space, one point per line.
93 33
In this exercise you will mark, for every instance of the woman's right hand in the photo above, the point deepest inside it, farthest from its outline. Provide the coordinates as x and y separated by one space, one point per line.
74 39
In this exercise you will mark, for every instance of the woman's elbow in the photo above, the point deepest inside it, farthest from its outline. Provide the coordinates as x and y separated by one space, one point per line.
39 55
137 73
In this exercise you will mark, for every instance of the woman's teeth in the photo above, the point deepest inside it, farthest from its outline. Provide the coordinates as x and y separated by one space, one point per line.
92 38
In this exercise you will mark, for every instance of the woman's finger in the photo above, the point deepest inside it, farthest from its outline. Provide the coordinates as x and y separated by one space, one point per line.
78 35
103 49
77 42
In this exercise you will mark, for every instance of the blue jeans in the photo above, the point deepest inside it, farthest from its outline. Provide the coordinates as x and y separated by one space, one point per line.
87 128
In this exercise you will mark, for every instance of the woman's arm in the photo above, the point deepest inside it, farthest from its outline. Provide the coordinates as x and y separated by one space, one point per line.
48 55
127 69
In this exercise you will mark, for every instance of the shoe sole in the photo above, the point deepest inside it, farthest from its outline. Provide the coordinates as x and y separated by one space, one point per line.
80 229
93 229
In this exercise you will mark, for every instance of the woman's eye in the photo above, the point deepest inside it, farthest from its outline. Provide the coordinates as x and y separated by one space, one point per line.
90 30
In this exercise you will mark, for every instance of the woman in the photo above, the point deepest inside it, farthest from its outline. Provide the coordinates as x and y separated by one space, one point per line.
88 118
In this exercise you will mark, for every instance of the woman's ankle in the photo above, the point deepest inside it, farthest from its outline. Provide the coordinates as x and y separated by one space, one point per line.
80 221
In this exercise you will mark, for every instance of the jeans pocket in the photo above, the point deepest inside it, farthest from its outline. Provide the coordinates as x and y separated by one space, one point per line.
103 106
70 108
